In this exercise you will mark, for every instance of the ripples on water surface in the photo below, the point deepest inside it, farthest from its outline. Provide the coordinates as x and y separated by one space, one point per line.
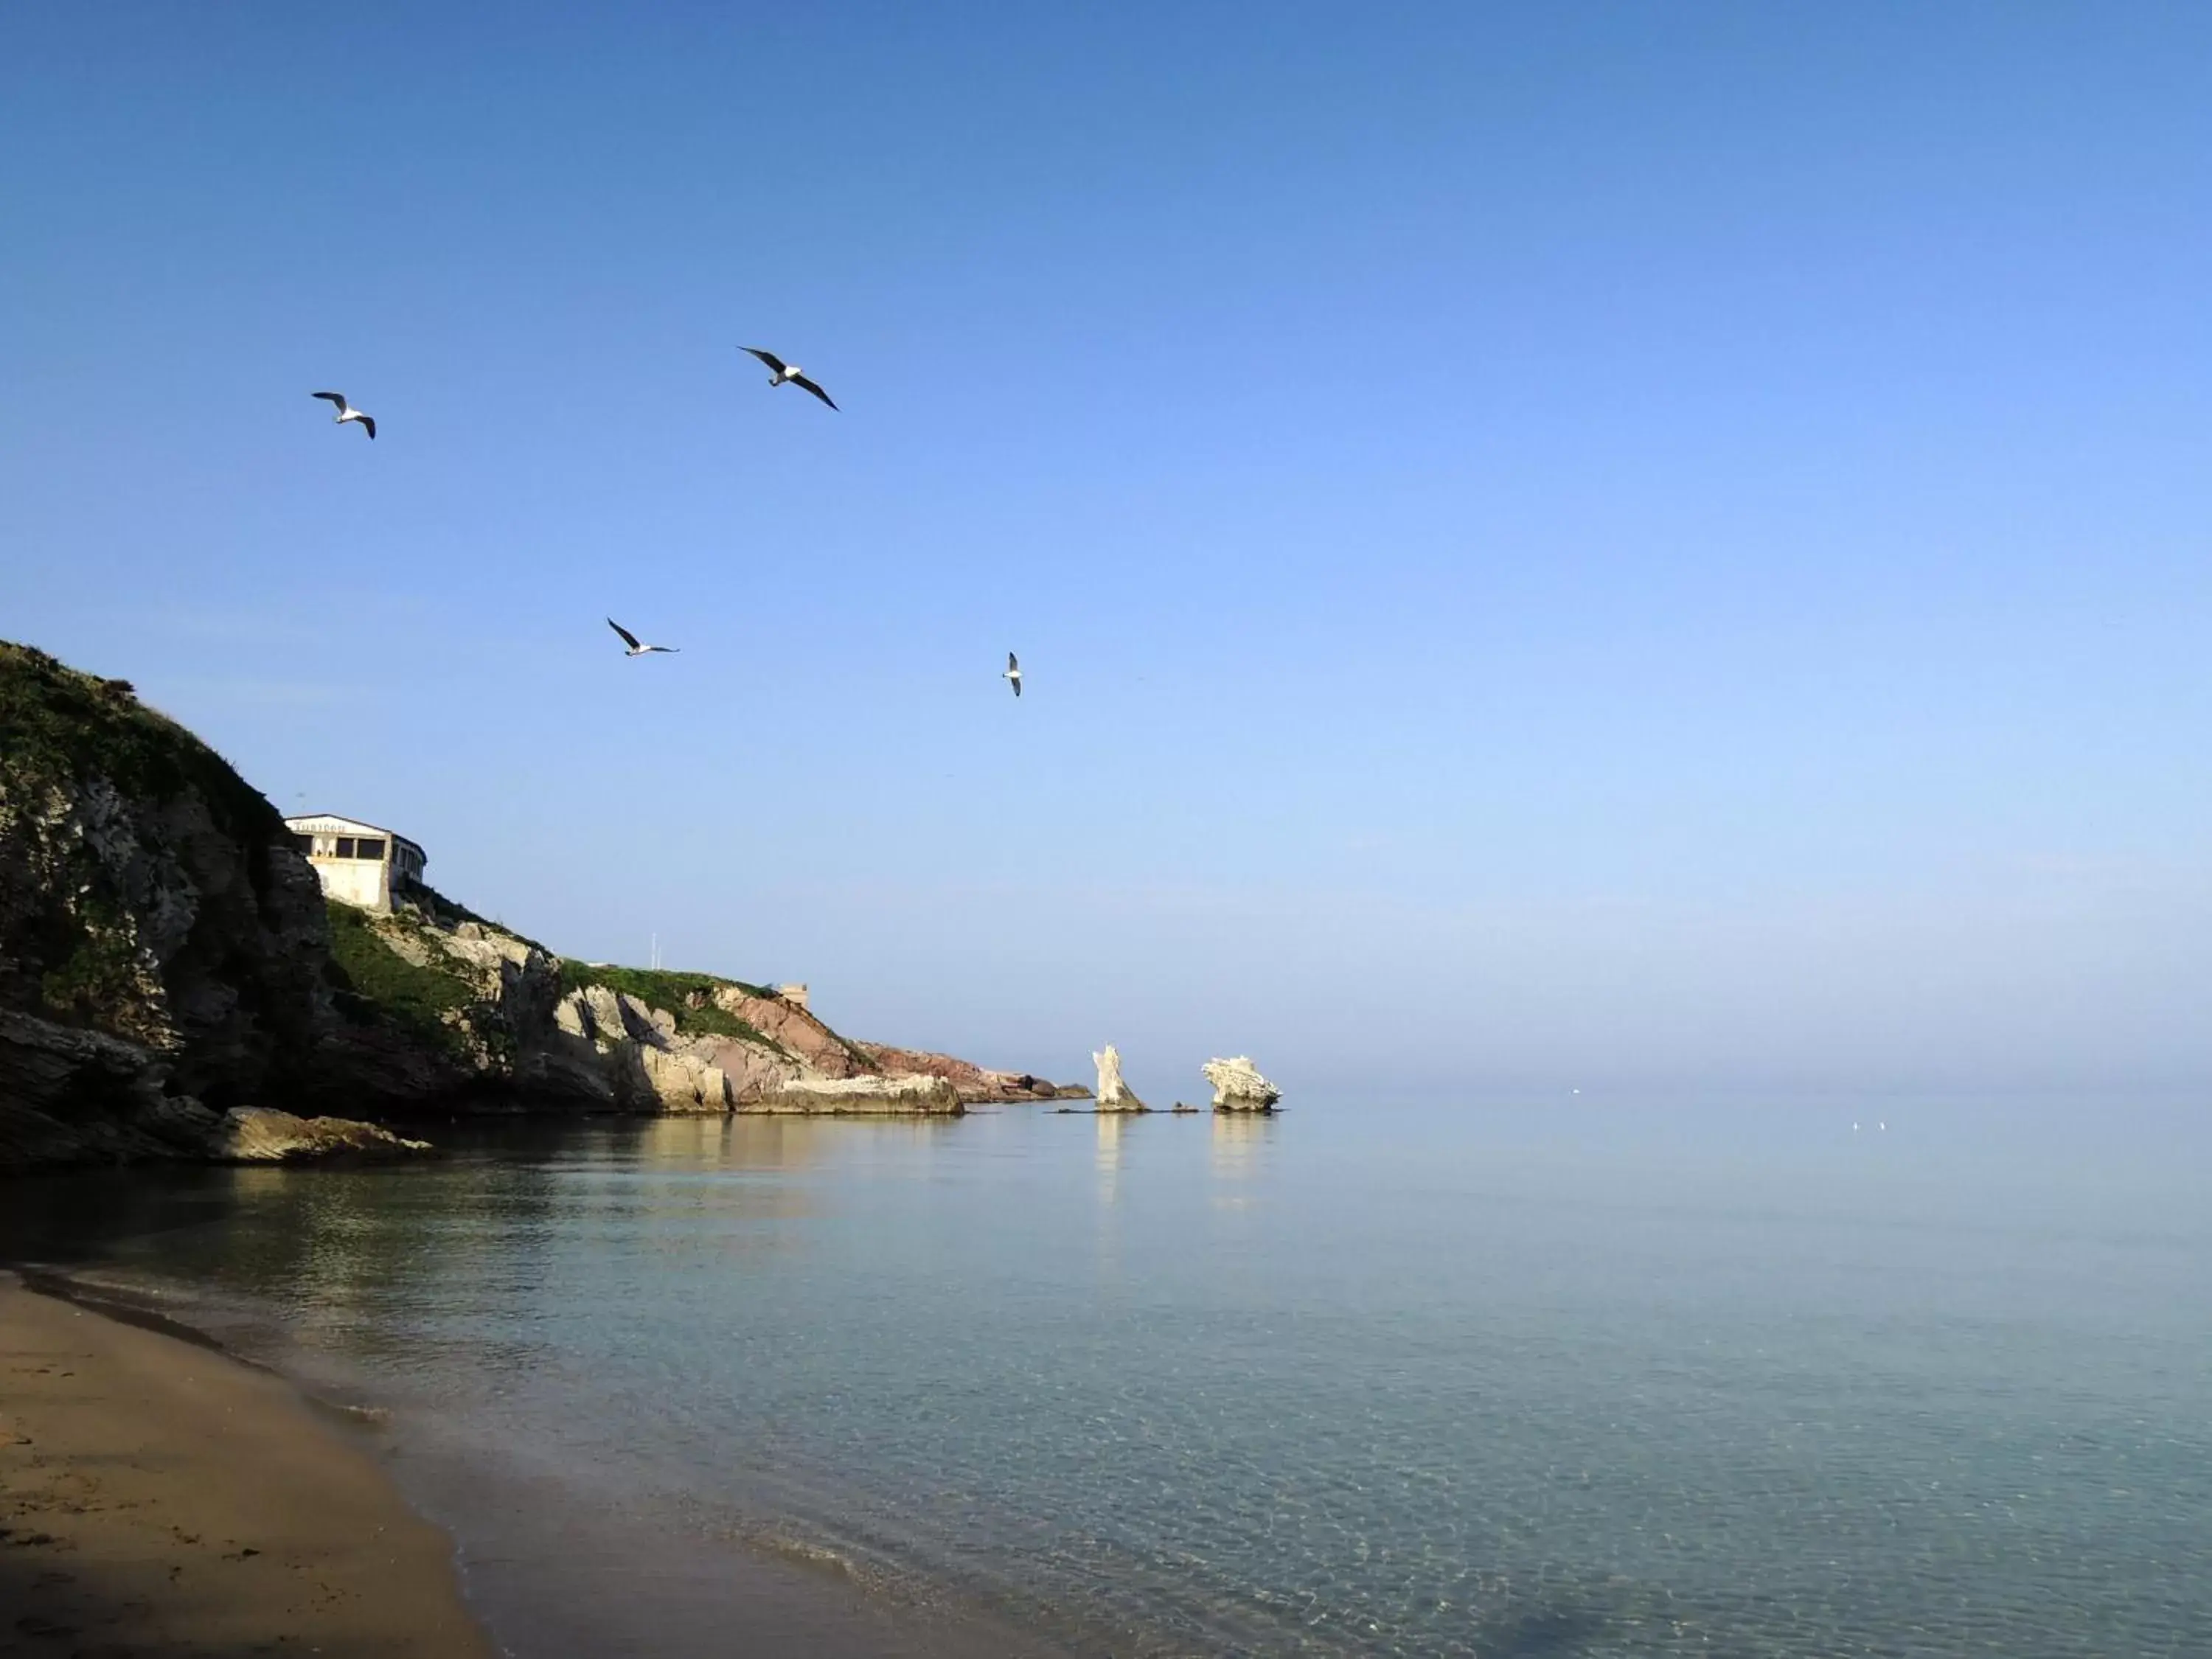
1357 1379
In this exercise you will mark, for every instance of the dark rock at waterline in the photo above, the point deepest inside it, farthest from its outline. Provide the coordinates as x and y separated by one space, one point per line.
73 1097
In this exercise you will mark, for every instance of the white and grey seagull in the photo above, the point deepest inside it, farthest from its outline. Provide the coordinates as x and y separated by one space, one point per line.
348 412
780 371
631 641
1013 673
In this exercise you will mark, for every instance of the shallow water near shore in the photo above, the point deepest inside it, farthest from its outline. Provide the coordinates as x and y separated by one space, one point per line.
1417 1379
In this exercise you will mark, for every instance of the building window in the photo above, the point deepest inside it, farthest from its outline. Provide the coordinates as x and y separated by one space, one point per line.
305 843
368 849
345 847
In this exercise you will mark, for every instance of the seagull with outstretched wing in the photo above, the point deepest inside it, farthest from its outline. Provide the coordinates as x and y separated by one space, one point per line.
631 641
347 411
780 374
1013 673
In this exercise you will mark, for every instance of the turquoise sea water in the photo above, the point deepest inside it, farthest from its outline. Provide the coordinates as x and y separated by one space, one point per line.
1417 1379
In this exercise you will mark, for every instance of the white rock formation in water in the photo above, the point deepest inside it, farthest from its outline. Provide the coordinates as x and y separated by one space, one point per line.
1113 1094
1238 1086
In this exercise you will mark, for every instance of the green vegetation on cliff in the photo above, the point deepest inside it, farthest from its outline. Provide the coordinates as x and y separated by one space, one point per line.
59 725
374 982
689 997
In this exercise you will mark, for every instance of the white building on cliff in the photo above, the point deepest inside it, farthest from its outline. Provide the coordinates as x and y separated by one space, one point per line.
358 863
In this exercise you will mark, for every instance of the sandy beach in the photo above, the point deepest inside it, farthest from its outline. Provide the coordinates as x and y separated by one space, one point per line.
159 1499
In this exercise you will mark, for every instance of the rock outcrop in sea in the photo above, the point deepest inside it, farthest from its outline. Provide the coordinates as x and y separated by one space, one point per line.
930 1097
257 1134
1115 1094
166 955
1238 1086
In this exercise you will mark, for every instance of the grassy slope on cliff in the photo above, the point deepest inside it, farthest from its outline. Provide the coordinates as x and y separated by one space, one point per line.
376 982
59 725
688 997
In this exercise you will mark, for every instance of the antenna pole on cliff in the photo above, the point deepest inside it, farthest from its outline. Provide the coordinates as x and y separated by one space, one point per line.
656 952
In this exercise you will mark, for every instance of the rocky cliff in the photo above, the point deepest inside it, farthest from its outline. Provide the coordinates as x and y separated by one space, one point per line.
482 1014
447 1008
161 945
166 955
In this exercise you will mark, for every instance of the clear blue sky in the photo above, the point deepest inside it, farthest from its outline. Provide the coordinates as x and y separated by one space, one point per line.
1602 545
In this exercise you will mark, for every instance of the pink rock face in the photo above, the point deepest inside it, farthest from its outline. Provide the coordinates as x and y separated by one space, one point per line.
918 1063
792 1027
751 1071
826 1054
975 1083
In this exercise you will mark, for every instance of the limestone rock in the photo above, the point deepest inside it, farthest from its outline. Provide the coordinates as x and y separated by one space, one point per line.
862 1096
755 1072
683 1082
572 1017
488 948
1238 1086
605 1008
646 1023
258 1134
1113 1094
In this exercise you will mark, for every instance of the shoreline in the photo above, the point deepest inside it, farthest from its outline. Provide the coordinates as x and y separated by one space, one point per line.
159 1496
163 1494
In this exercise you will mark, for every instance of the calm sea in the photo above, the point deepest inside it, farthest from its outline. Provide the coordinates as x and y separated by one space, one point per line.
1421 1379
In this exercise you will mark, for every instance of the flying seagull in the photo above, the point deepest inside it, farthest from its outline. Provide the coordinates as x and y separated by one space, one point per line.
779 372
348 412
1013 672
630 640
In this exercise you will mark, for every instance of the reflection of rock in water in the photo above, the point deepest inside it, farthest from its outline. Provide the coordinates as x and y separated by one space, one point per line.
683 1140
1240 1139
1109 1154
772 1143
671 1153
338 1246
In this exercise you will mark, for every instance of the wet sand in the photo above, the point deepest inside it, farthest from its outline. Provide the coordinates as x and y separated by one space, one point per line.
159 1499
